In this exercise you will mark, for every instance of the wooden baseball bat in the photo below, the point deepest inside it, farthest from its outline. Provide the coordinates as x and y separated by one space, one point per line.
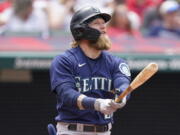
141 78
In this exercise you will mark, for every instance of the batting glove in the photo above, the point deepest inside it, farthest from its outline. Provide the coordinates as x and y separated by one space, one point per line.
105 106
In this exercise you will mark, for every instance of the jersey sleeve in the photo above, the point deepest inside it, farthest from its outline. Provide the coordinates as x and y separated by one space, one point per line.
62 81
121 75
61 71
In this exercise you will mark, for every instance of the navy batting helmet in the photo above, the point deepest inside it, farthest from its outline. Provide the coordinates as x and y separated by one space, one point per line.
79 23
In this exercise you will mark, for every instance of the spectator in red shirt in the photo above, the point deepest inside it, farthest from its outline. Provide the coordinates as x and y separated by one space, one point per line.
5 4
139 6
121 23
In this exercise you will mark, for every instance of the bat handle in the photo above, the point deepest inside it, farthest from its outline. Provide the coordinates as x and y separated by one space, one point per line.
123 94
117 100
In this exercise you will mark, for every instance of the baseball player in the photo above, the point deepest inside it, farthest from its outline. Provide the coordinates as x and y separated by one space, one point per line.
86 78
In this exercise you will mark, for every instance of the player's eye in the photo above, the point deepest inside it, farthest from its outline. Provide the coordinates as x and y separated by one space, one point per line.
96 23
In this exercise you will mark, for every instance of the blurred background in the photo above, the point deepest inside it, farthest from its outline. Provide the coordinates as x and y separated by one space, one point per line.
32 32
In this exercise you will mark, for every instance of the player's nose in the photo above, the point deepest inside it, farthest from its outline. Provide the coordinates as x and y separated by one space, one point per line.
103 28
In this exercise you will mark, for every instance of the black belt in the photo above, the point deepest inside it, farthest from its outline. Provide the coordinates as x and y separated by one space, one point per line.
89 128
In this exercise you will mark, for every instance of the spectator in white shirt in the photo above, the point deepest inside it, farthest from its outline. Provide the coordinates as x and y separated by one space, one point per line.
22 17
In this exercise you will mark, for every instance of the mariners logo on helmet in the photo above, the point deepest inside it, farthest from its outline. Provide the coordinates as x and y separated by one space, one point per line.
96 10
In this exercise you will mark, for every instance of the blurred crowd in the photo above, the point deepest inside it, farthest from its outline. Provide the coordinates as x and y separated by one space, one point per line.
134 18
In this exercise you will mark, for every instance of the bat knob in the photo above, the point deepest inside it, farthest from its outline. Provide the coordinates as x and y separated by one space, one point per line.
51 129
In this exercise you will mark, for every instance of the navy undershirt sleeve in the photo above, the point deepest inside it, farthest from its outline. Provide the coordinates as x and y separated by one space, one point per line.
88 103
67 95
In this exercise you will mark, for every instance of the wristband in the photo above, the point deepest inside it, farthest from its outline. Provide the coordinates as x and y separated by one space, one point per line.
88 103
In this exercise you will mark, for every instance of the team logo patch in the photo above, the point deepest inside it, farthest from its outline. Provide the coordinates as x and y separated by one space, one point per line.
124 68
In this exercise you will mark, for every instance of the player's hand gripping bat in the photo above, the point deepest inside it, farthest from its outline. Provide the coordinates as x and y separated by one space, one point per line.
141 78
